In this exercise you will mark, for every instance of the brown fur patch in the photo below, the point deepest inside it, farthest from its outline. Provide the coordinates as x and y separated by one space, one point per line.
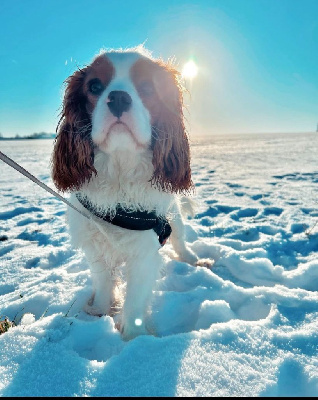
170 145
73 155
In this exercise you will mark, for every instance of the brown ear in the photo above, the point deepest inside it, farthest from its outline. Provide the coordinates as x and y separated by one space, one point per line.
73 154
171 152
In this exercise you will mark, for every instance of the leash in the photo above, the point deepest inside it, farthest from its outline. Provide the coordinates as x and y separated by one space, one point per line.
24 172
160 225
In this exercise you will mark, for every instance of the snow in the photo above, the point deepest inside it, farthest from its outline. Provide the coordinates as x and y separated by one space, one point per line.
247 327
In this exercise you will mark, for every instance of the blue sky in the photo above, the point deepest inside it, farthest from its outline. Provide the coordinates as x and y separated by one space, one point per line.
257 59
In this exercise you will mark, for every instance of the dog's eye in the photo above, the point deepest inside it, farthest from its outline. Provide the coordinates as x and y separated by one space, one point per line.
96 87
146 88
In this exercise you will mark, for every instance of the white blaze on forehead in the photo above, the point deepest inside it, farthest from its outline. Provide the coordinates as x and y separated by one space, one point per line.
122 63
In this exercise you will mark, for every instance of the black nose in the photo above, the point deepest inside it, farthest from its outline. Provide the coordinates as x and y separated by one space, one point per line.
118 102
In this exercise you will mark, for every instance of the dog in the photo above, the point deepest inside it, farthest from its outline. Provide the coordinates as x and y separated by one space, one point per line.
122 150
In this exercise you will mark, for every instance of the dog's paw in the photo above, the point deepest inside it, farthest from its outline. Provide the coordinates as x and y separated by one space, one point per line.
130 331
98 305
188 257
92 310
204 262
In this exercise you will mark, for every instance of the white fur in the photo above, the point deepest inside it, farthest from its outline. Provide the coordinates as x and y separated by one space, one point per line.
123 161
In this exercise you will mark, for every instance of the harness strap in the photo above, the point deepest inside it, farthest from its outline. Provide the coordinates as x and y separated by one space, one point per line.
133 220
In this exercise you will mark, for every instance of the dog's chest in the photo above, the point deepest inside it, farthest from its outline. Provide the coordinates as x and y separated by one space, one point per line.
125 179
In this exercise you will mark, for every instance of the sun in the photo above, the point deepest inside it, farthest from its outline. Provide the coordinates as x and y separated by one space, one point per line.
189 70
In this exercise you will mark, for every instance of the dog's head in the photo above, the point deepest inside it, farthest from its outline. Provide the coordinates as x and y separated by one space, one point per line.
123 100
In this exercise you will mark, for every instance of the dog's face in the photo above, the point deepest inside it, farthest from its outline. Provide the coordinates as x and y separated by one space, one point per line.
123 100
118 94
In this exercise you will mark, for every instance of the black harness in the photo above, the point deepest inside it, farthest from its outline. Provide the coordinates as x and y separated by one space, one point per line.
133 220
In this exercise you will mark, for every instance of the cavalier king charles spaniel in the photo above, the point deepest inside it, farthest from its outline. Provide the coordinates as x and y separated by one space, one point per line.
123 153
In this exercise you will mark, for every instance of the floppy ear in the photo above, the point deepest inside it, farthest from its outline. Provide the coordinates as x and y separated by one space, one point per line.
73 154
171 152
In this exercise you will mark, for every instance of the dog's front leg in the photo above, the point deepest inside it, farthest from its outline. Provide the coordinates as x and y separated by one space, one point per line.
103 283
142 272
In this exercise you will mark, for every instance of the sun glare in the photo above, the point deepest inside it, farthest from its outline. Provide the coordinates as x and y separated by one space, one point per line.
189 70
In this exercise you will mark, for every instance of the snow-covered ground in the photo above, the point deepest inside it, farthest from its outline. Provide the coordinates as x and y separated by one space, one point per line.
248 327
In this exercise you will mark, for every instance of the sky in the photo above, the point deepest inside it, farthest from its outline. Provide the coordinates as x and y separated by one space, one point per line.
257 59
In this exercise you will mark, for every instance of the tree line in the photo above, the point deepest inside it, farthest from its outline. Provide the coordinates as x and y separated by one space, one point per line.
39 135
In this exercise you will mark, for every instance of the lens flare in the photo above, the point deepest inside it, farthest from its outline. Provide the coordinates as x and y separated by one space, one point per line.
189 69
